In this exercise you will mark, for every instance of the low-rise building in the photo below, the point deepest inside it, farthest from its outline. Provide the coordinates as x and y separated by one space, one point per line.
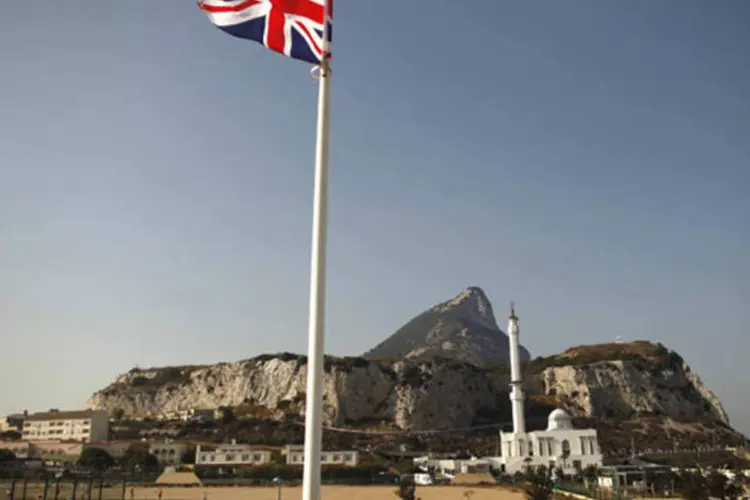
295 455
50 451
168 452
57 451
231 455
451 467
630 474
83 426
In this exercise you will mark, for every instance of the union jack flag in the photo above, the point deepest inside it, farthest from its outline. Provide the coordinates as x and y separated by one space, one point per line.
294 28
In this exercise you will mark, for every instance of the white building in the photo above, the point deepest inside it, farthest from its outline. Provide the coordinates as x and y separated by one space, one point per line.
231 455
451 467
83 426
560 445
295 455
168 453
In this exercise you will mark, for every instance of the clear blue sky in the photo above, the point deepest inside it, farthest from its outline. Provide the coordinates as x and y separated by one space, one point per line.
589 159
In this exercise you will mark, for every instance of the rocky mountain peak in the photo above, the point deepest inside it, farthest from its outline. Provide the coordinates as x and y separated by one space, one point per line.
472 304
463 328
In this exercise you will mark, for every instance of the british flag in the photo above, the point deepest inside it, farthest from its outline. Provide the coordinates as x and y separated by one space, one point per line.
294 28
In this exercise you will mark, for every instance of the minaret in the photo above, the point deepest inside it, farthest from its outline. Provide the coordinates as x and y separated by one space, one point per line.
516 391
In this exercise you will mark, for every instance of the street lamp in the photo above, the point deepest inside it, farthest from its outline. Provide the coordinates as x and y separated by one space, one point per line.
277 482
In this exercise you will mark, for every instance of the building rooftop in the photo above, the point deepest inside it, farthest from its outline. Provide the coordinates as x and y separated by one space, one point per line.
62 415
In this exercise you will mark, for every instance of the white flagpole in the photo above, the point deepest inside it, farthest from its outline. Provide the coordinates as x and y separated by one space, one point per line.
316 333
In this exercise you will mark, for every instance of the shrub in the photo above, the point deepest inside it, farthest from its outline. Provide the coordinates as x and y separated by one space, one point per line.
539 484
6 455
96 458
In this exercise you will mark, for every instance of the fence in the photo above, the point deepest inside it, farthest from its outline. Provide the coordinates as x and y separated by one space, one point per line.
595 492
33 489
119 488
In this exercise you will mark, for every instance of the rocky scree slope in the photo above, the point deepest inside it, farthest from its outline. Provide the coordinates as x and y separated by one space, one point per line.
608 381
463 328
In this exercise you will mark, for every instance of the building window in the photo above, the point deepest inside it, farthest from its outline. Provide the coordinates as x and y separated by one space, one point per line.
550 448
229 457
541 447
583 445
337 458
348 457
245 457
256 457
566 447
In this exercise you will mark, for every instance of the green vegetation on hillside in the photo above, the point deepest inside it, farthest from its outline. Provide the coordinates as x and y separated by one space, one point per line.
345 363
653 357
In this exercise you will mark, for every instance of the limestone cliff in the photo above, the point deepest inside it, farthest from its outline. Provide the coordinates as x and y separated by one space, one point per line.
623 381
605 381
435 394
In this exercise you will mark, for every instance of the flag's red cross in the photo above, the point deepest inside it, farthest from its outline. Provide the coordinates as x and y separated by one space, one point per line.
275 39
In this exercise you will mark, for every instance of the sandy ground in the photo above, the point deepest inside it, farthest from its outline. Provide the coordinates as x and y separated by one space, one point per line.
329 493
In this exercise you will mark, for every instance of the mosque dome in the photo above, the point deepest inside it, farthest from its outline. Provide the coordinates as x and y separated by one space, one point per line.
558 420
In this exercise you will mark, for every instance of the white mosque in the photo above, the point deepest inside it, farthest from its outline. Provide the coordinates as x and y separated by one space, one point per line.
560 445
